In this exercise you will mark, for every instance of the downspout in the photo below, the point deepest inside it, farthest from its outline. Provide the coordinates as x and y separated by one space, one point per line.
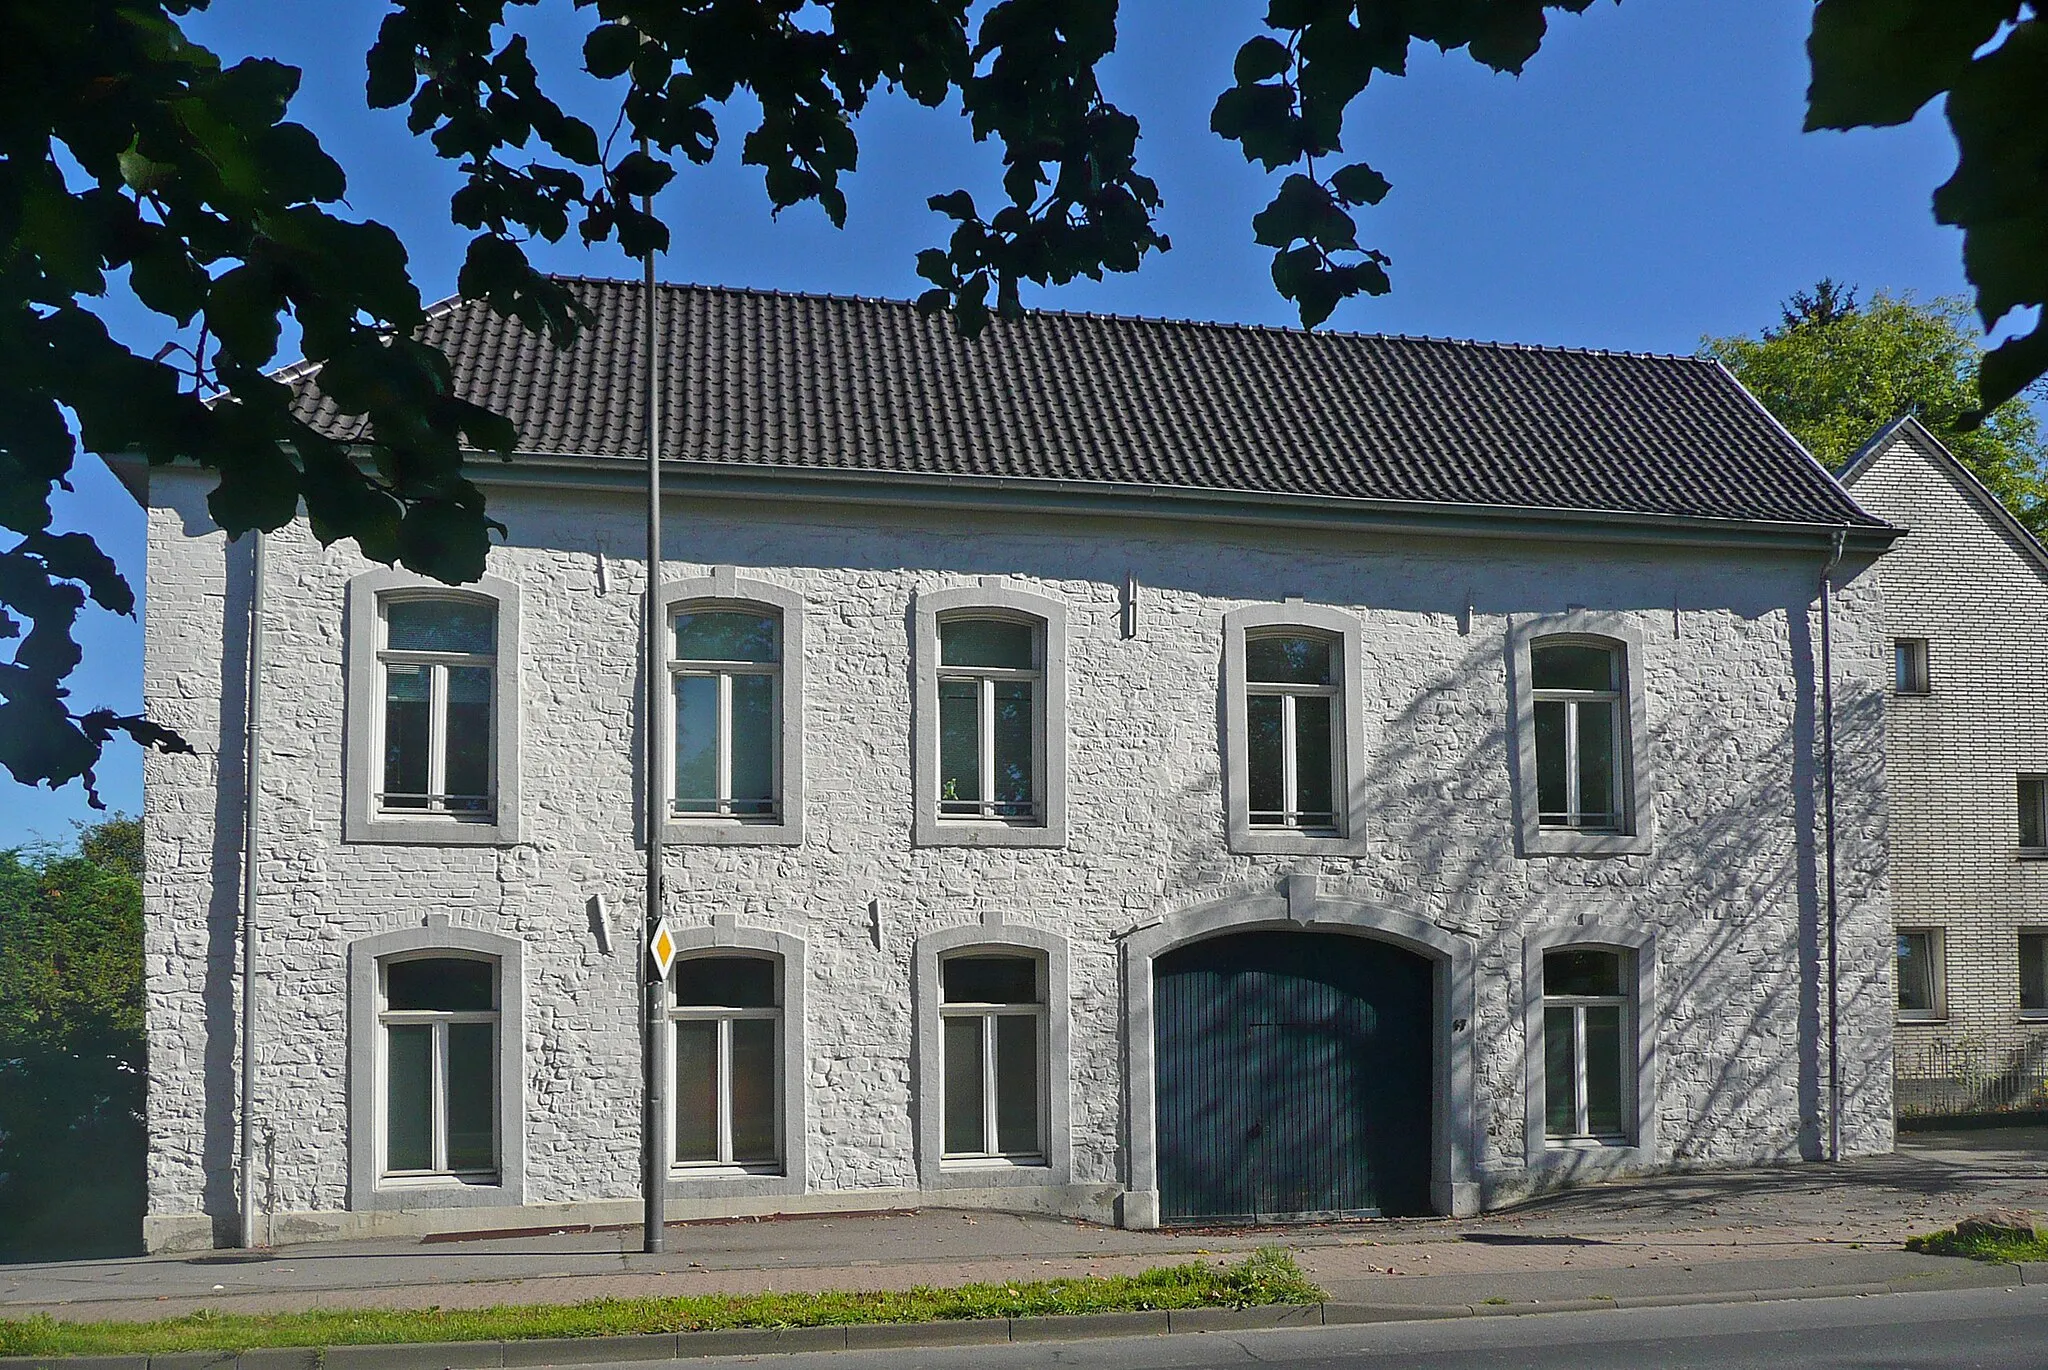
252 777
1827 765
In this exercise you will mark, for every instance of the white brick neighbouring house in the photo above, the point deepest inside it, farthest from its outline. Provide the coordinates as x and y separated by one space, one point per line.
1137 770
1966 606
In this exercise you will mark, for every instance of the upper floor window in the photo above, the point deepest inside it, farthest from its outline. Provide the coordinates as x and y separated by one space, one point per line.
988 718
438 1024
1583 779
726 678
1293 730
991 725
1909 666
1292 723
431 725
728 1062
1579 735
439 661
992 1017
2033 801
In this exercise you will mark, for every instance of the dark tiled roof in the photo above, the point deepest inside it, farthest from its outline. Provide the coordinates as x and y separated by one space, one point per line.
872 386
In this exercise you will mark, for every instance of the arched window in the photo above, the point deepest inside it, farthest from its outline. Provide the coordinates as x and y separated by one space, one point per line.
432 717
726 680
726 1012
438 659
1293 722
1580 734
991 719
992 1016
1588 1035
1583 778
1293 730
733 750
438 1042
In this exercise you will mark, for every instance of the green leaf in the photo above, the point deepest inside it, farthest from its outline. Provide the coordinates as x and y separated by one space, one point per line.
609 50
242 310
636 174
1876 62
393 67
1359 184
955 204
1260 59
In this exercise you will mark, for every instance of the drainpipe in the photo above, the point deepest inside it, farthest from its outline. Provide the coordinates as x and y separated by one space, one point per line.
252 777
1827 768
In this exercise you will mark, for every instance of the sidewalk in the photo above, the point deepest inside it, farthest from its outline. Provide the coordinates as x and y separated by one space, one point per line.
1764 1233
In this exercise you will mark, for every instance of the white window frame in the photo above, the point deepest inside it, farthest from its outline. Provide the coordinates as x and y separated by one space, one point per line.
1910 659
726 590
1290 817
369 1188
988 1015
1937 974
1575 817
993 598
985 679
364 817
935 1169
437 1092
725 1017
1582 1132
1590 1158
1346 835
1636 783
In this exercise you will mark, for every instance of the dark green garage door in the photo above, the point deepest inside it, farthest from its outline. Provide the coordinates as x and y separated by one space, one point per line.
1294 1078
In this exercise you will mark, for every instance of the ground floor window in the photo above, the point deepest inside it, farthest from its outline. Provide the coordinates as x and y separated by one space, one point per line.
438 1024
727 1018
992 1015
1586 1021
2034 973
1920 973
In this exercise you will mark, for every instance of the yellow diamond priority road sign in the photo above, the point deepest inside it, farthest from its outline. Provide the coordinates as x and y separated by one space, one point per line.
662 947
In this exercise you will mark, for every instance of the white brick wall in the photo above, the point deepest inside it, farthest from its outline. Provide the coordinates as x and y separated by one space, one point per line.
1731 885
1964 583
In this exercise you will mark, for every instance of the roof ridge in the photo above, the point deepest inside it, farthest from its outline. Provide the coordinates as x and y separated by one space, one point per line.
1224 325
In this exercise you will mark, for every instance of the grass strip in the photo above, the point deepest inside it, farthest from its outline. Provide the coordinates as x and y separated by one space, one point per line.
1267 1276
1979 1246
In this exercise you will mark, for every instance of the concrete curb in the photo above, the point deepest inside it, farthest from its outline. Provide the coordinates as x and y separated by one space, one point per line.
759 1341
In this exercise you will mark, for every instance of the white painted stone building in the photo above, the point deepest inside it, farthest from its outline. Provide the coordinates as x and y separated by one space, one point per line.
1137 770
1966 607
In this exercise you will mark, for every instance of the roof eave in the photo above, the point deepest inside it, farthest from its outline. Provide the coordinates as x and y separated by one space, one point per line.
1051 496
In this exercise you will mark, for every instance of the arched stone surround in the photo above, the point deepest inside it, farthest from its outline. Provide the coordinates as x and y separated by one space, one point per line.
1454 1189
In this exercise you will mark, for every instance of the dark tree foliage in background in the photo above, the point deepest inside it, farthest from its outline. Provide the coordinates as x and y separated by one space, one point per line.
71 1047
129 154
1835 370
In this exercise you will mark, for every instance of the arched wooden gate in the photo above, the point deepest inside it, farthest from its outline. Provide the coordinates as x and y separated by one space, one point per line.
1293 1078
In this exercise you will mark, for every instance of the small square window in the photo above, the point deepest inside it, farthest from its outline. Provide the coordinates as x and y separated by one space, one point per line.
1920 975
2033 798
1909 665
2034 974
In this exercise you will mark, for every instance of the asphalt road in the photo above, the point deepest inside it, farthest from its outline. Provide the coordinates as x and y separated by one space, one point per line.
1978 1329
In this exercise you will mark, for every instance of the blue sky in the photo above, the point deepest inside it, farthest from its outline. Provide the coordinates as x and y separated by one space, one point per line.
1645 183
